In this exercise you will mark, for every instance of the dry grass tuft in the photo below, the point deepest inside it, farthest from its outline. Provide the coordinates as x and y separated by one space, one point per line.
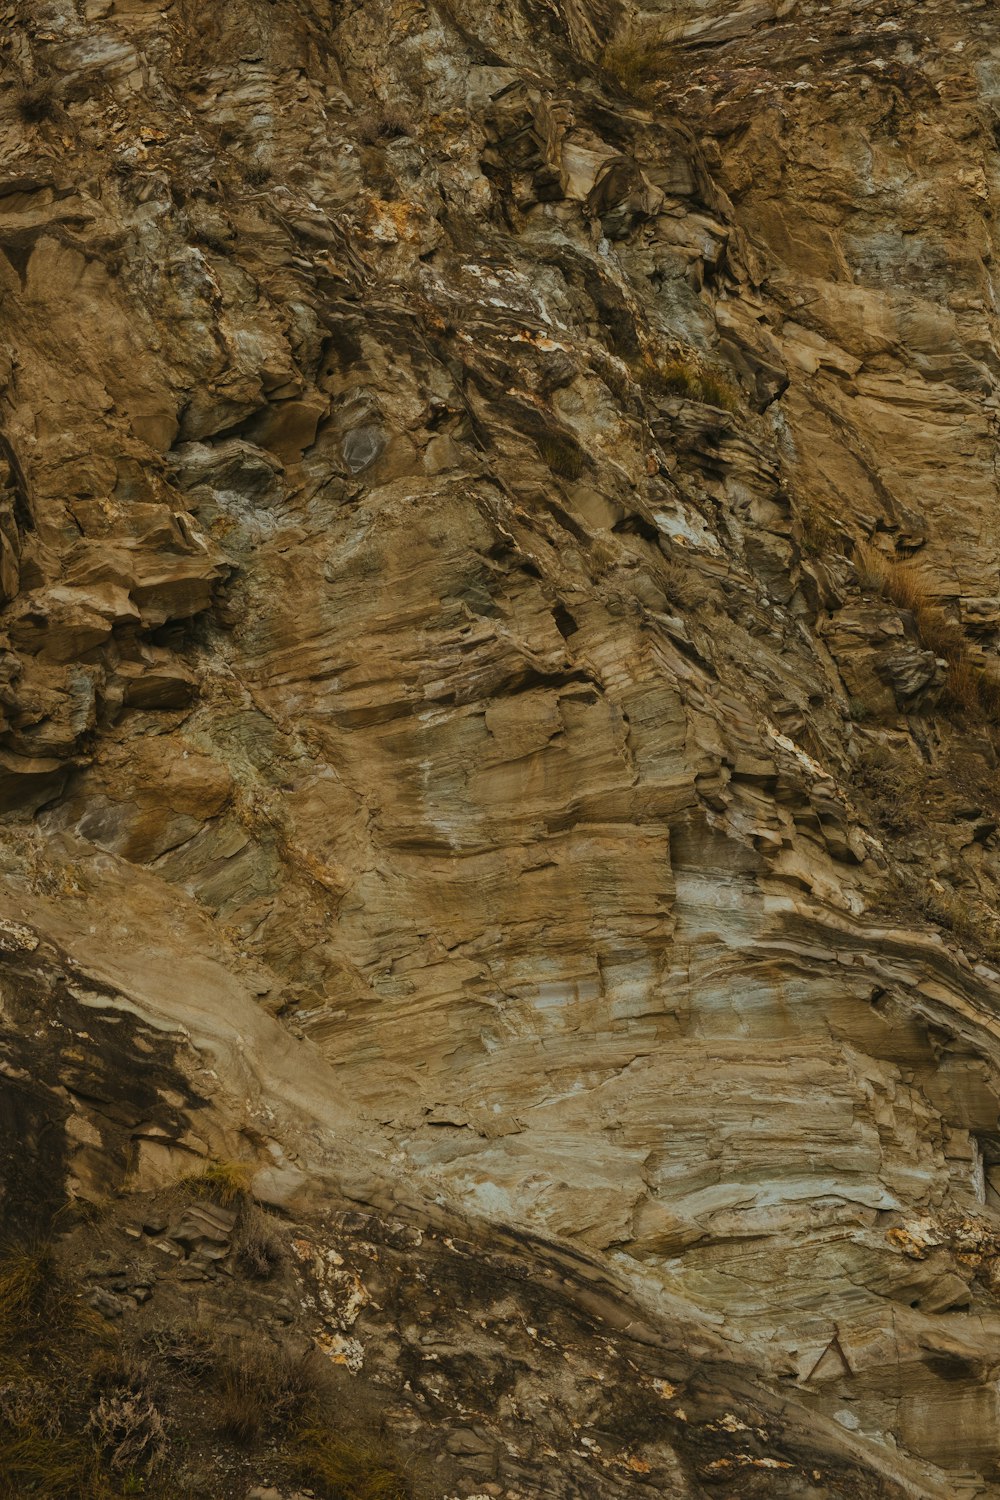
388 123
685 378
639 56
128 1430
562 455
227 1182
261 1386
817 530
361 1468
36 102
897 785
968 689
259 1247
966 918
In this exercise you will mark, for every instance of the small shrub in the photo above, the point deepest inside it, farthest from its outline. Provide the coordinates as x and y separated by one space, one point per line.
261 1386
685 378
363 1468
860 710
962 686
675 378
26 1406
386 124
818 531
35 103
968 689
896 785
561 454
50 1468
259 1248
639 56
966 918
257 173
871 567
29 1286
191 1350
129 1431
716 390
227 1182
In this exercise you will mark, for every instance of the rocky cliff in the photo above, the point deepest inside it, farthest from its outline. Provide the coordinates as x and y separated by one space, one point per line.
500 725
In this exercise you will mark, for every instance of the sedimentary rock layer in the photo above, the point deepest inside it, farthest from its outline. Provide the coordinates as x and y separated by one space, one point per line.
500 588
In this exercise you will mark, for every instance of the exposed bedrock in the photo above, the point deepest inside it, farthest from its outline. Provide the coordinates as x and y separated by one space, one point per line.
500 598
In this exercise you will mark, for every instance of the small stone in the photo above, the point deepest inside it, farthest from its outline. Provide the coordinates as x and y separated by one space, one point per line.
106 1303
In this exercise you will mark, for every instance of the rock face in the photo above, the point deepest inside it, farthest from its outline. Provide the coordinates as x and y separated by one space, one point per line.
500 583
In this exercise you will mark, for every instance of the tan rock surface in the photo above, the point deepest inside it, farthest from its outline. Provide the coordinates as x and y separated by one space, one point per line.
438 669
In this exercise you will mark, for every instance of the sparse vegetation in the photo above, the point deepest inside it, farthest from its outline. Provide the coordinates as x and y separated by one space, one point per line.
966 917
683 376
897 785
968 689
357 1468
128 1430
261 1386
562 454
227 1182
86 1414
817 531
259 1248
257 173
640 55
388 123
36 102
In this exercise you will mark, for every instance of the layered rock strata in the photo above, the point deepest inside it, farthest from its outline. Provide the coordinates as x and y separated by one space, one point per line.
500 595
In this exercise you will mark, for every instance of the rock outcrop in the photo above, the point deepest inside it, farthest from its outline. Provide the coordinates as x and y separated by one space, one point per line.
500 598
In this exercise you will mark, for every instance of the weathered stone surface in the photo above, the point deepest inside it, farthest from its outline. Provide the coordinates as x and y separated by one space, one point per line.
438 683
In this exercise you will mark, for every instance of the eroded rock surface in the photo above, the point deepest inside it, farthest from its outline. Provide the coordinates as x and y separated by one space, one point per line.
448 681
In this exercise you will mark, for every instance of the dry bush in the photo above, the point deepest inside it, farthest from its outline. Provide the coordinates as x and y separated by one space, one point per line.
871 567
968 689
966 918
639 56
261 1386
717 390
817 530
896 784
128 1430
388 123
26 1405
684 377
227 1182
962 686
257 173
561 454
36 102
363 1467
191 1350
259 1246
50 1468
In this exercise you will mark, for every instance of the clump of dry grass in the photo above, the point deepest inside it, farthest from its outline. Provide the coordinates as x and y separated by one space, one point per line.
968 689
36 102
683 376
640 55
897 785
966 918
561 454
259 1247
227 1182
363 1467
388 123
261 1386
817 530
128 1430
